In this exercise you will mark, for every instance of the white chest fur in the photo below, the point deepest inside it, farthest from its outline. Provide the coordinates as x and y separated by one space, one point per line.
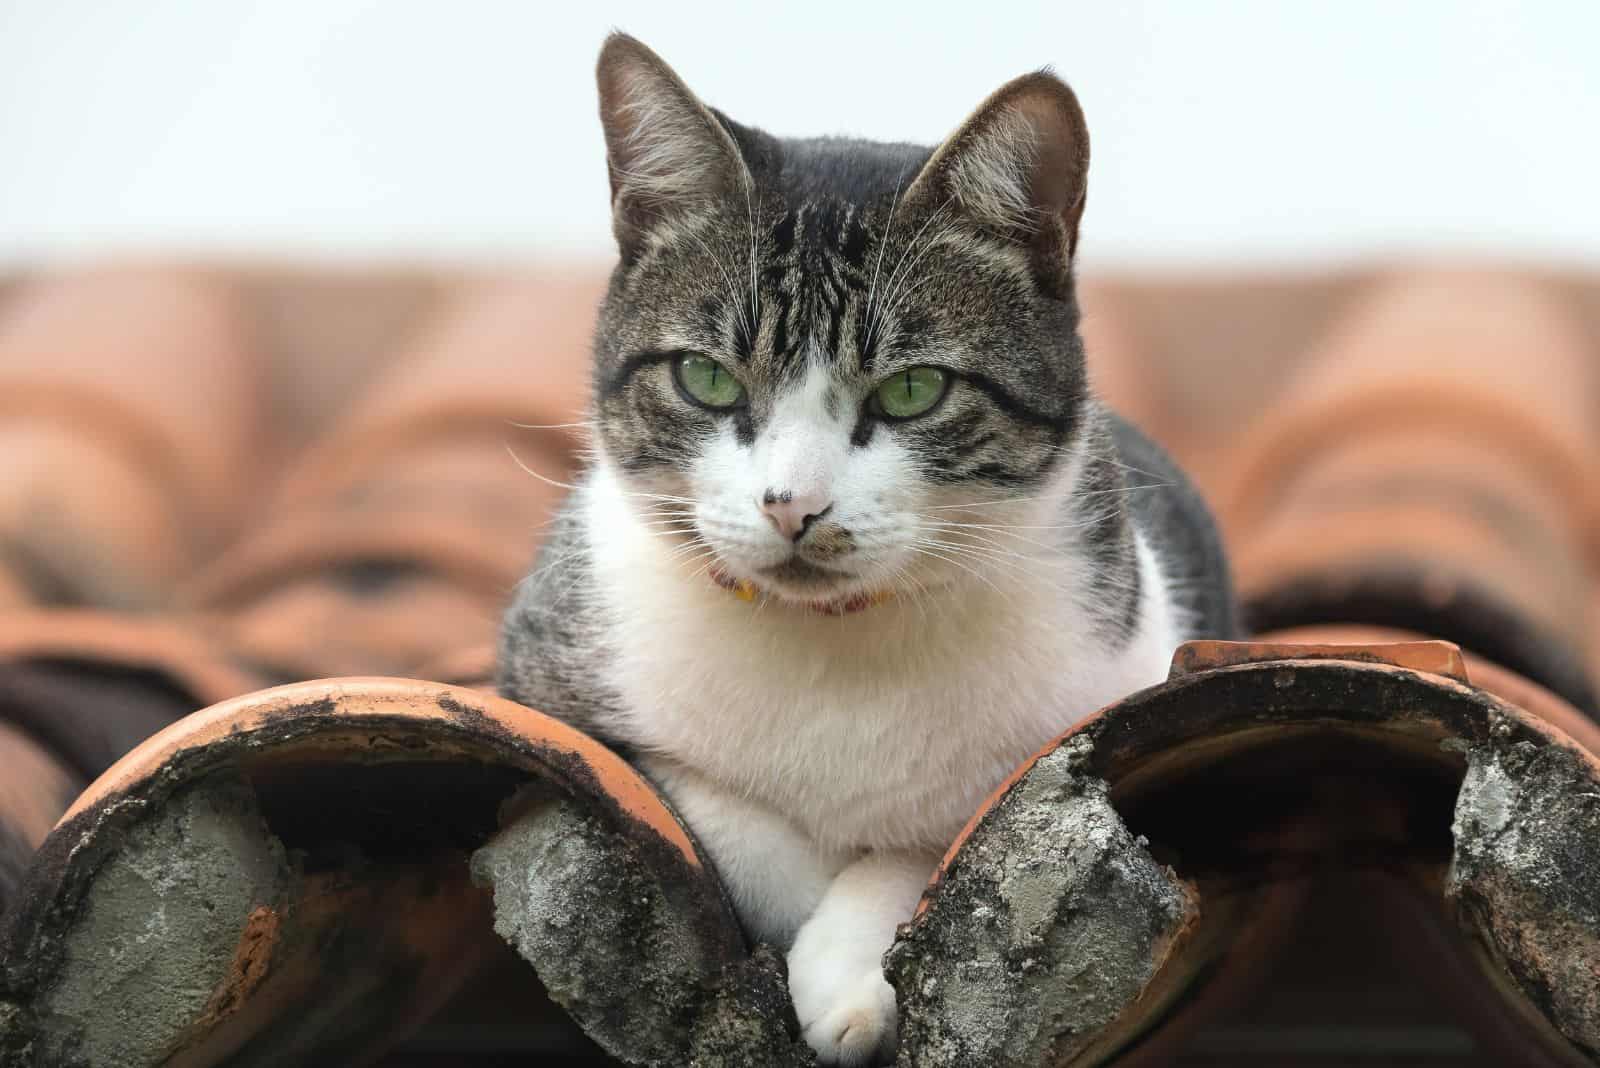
882 729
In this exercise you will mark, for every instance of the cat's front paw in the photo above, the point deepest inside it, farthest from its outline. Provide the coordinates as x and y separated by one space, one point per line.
856 1026
846 1007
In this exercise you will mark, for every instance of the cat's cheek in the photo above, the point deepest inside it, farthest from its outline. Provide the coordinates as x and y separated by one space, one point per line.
878 480
643 482
720 470
880 495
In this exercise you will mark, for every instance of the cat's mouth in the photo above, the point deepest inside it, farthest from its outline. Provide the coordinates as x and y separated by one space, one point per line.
805 576
800 582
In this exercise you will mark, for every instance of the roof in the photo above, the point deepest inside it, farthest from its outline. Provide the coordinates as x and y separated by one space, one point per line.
224 480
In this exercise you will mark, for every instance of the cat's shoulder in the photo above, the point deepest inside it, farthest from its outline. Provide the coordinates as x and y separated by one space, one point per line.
554 636
1173 517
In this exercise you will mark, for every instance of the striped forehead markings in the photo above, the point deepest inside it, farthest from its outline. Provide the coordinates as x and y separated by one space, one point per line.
812 279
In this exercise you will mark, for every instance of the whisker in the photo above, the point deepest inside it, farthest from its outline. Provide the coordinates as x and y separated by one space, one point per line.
586 423
896 273
912 244
989 502
547 480
997 555
530 471
712 559
683 550
918 595
686 559
957 563
1008 530
955 525
1032 566
1066 497
733 290
906 293
984 538
1128 467
755 293
888 227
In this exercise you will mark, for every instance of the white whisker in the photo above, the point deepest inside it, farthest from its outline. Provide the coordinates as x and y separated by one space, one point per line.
957 563
727 277
883 243
900 265
584 424
755 293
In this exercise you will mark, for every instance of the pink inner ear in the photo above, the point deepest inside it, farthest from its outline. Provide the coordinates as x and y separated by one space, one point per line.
1056 179
1018 165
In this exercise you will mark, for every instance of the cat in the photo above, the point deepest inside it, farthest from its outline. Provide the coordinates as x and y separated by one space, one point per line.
856 537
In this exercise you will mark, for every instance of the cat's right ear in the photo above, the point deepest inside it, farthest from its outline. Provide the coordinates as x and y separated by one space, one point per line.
666 152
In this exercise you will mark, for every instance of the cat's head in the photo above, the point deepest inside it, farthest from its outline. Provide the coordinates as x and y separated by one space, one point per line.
825 363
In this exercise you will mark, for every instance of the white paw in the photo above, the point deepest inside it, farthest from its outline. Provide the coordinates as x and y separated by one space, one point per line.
846 1009
857 1027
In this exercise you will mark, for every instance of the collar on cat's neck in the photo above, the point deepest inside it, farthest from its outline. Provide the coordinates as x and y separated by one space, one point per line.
748 591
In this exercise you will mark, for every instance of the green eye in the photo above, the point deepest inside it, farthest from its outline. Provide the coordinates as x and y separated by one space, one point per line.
707 382
912 392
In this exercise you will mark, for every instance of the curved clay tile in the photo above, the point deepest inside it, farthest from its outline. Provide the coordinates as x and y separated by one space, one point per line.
501 351
1121 370
92 685
1433 465
305 873
329 333
1594 636
79 689
35 789
13 594
473 668
334 844
399 537
361 842
1254 769
116 481
1507 685
1200 355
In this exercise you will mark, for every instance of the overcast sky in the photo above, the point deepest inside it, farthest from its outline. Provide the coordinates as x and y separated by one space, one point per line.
1223 132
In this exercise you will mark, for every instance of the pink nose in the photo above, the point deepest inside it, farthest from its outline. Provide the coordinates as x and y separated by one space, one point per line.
791 513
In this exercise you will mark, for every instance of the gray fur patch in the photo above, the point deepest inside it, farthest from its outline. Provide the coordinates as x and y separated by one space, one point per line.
552 635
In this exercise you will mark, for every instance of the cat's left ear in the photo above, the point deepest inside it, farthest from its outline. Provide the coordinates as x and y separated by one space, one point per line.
1018 167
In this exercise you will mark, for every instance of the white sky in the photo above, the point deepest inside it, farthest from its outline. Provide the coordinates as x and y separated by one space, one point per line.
1224 132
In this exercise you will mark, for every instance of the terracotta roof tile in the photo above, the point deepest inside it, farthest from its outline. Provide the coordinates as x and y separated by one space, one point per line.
395 537
116 480
1387 449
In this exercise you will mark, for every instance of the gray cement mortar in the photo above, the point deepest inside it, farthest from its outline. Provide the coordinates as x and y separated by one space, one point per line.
633 968
748 1022
157 929
1526 877
1048 926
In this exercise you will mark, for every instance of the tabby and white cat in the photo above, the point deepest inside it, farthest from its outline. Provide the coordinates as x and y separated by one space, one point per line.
856 538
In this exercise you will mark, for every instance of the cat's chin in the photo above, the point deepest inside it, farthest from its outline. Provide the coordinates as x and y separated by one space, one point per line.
803 578
801 584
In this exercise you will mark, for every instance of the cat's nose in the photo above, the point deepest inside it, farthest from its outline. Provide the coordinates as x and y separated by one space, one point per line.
793 513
